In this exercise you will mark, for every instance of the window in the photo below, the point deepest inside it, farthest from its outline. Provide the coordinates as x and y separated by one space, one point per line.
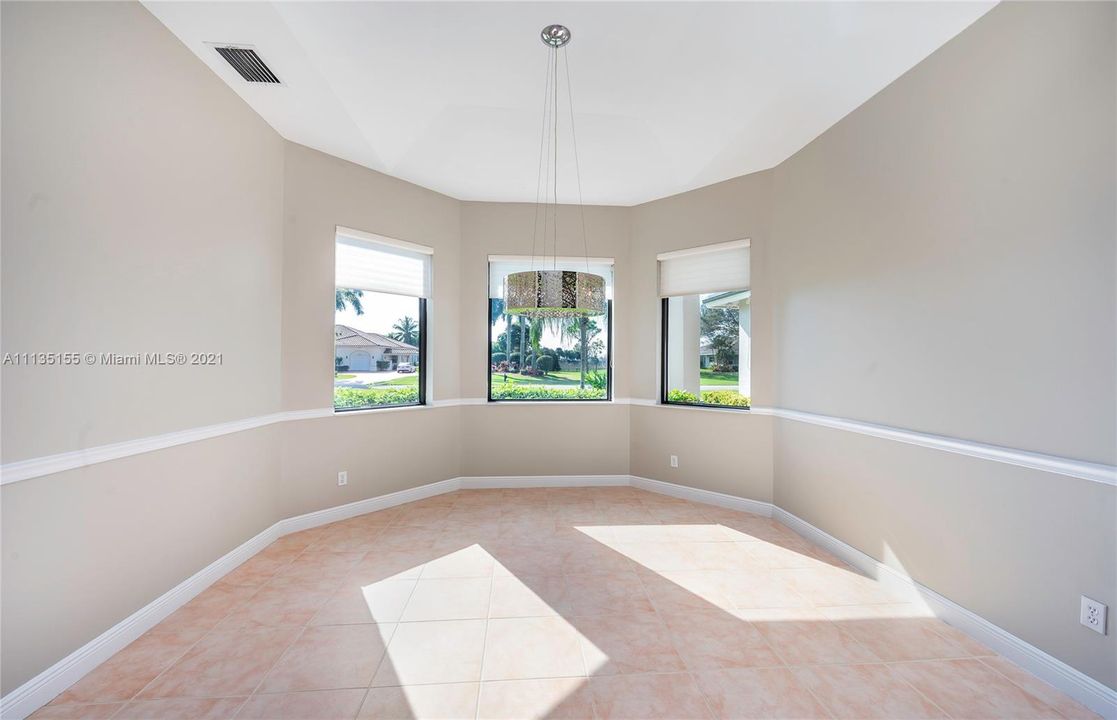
381 288
549 359
707 324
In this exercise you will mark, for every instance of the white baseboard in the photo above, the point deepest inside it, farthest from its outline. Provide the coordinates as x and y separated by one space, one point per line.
361 507
709 497
1055 672
540 481
41 689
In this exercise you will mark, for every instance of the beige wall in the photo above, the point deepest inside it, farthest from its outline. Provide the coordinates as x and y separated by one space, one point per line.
382 450
84 549
142 211
727 451
534 439
322 192
944 261
949 246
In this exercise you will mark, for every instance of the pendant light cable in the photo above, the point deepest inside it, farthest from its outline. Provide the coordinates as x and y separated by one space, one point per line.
539 172
577 165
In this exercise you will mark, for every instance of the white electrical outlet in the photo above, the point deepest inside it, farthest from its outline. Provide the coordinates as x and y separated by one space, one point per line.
1093 615
343 478
674 461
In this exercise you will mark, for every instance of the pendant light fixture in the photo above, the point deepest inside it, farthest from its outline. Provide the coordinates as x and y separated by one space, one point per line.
543 292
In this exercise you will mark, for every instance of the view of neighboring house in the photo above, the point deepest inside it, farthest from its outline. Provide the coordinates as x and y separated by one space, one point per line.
361 351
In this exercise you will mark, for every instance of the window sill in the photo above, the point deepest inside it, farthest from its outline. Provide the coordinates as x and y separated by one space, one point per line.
345 412
710 408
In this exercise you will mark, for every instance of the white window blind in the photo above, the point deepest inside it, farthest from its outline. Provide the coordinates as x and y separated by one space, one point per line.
370 262
707 269
500 266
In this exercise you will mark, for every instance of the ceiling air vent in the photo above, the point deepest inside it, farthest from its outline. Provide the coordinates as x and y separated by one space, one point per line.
246 62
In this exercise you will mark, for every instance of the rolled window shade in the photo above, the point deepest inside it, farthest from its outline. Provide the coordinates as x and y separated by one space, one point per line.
362 263
501 266
708 269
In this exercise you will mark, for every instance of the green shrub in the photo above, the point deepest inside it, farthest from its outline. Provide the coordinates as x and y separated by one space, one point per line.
536 392
546 363
372 397
681 396
725 397
729 398
499 357
598 379
514 358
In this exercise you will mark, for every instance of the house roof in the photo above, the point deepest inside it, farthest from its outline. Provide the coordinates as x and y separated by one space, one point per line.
346 336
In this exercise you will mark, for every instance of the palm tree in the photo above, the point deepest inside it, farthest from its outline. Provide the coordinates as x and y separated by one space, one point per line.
405 330
523 343
344 296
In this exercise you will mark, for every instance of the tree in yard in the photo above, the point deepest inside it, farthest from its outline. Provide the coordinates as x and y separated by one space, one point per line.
721 327
406 330
345 296
523 342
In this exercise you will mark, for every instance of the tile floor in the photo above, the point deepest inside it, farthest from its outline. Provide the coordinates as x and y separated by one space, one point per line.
557 603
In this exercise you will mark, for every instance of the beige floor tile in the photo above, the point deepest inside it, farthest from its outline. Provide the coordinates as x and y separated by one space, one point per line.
901 636
631 585
682 591
181 709
1037 688
751 528
607 594
448 599
223 664
319 705
529 596
804 636
325 568
466 562
380 602
970 688
348 537
523 648
210 607
441 651
282 602
714 639
859 692
589 557
130 670
262 566
661 556
329 658
77 712
457 701
790 555
671 697
836 586
388 564
754 589
528 558
624 644
758 694
551 698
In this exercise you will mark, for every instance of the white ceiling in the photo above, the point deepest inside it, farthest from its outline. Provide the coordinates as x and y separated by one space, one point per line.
668 96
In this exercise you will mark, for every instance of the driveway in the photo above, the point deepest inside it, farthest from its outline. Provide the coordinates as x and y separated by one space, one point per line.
364 379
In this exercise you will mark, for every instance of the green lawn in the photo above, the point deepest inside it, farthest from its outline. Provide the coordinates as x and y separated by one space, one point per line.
557 377
408 379
709 377
344 376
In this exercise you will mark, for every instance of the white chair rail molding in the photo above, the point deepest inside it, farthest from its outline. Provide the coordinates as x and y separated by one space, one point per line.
717 360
